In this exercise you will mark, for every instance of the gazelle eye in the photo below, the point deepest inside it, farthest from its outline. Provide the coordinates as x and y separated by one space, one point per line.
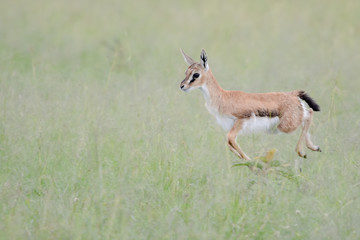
195 76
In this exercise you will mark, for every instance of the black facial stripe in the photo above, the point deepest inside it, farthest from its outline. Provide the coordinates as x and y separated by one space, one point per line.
194 77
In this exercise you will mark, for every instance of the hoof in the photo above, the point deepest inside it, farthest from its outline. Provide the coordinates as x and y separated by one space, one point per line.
304 156
245 157
318 149
301 154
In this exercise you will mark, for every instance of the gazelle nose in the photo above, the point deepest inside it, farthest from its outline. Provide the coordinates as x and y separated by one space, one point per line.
182 86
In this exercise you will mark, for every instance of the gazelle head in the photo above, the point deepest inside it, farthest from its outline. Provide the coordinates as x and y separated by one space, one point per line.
195 75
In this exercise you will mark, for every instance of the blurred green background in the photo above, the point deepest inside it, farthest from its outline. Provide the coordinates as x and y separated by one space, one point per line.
98 142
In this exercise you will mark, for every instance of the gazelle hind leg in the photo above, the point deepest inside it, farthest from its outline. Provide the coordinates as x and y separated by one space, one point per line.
305 136
305 128
231 140
310 145
308 141
290 122
299 146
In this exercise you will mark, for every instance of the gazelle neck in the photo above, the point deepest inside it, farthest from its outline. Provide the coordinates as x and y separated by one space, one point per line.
211 89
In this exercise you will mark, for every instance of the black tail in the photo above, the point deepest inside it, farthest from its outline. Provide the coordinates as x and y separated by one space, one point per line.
309 101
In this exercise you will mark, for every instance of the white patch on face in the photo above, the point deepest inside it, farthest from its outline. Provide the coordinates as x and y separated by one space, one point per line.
260 124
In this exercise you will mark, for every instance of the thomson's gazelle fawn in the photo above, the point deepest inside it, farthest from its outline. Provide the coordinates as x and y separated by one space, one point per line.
240 112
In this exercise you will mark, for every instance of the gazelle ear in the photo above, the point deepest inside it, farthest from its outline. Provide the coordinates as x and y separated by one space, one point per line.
187 59
204 61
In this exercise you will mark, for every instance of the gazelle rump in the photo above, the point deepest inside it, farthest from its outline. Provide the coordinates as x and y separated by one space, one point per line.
240 112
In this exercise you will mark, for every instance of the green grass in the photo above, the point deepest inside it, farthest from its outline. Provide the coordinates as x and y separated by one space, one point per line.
98 142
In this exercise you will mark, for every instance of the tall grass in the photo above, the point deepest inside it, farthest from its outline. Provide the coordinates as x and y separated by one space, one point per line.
97 141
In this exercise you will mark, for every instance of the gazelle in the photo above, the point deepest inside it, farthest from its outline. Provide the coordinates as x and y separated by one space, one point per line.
240 112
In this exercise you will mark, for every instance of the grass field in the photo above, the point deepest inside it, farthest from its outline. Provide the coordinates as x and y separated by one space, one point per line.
98 142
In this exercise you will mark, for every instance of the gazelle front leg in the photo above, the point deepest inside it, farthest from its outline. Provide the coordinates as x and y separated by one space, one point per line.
231 140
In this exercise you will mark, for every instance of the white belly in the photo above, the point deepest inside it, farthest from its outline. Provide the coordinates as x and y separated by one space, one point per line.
225 122
260 124
251 125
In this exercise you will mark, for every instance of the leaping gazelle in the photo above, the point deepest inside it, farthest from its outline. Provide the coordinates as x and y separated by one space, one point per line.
240 112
